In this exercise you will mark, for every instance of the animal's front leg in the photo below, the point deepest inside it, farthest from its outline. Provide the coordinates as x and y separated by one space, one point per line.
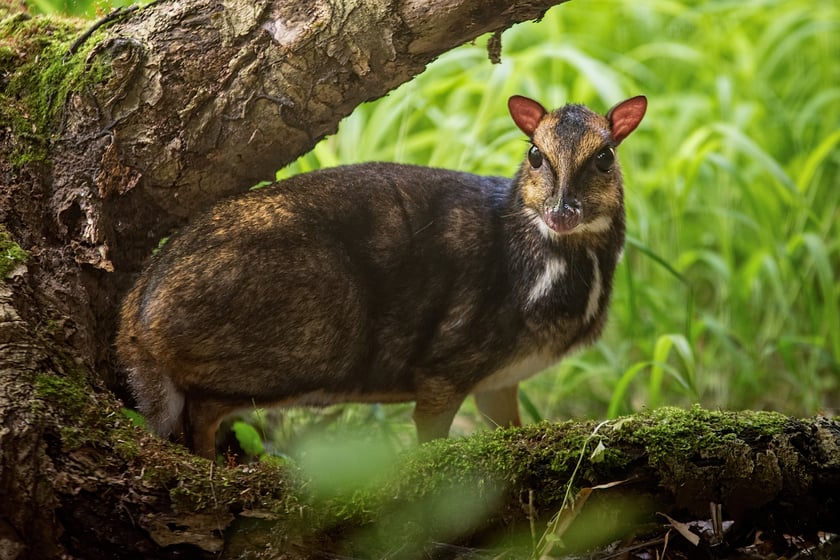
500 407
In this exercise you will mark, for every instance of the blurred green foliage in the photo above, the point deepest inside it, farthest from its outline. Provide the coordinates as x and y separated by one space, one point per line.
728 294
81 8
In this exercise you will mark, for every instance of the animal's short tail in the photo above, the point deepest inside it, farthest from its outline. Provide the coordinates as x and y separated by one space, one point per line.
160 401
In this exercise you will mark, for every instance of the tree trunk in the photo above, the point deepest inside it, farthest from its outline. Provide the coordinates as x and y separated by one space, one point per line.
108 142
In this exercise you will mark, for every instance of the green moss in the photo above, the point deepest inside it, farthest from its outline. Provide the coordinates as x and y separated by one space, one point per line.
196 485
83 417
71 398
674 434
545 456
84 420
39 76
481 469
471 476
64 393
11 254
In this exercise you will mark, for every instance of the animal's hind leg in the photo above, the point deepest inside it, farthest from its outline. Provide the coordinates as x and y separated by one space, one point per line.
202 422
500 407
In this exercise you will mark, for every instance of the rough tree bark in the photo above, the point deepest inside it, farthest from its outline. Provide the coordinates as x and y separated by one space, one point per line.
109 142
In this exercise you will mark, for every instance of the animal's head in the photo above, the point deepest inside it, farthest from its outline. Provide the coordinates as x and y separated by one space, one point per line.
571 181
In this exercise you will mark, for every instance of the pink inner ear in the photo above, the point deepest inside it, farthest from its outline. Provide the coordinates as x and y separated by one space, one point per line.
626 116
526 113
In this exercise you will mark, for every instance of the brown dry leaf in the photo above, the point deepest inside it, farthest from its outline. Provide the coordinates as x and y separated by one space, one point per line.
683 529
203 530
610 484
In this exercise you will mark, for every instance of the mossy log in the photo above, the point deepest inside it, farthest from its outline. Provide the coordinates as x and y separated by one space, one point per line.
494 490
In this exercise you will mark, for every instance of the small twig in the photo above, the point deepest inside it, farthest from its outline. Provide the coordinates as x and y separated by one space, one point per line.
665 544
116 14
622 552
532 519
494 47
119 12
717 522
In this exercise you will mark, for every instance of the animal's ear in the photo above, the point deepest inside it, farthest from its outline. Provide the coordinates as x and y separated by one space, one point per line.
626 116
526 113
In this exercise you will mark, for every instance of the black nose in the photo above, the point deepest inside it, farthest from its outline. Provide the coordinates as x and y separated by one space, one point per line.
564 216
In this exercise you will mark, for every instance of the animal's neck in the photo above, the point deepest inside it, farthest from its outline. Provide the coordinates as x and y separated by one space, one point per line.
560 278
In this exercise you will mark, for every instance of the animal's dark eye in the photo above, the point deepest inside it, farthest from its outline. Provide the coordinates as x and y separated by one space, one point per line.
535 157
605 159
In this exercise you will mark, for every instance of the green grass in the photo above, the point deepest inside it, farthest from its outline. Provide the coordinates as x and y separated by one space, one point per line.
728 295
81 8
